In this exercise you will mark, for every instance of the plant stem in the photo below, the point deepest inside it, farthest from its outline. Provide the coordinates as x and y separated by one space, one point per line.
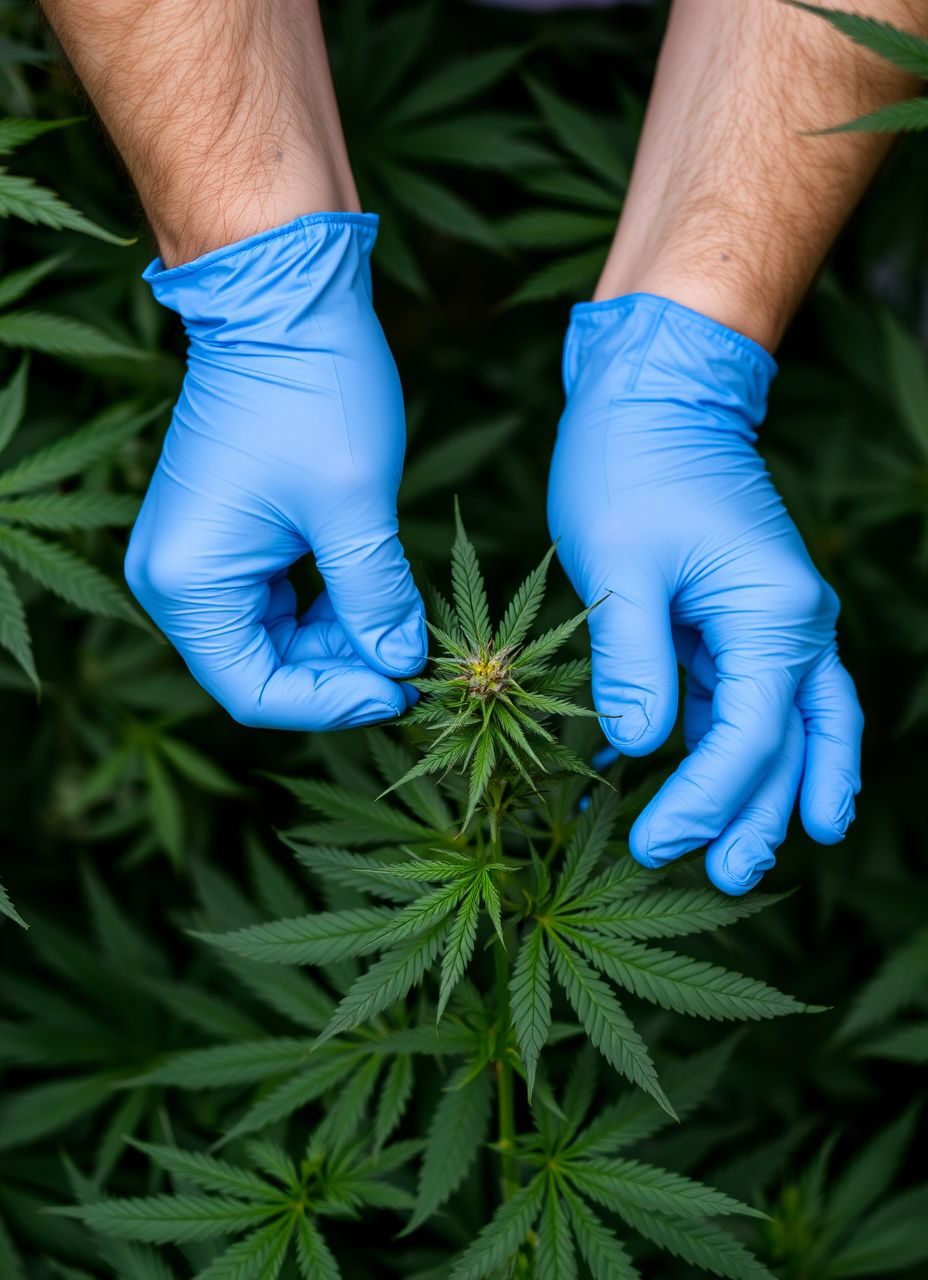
505 1082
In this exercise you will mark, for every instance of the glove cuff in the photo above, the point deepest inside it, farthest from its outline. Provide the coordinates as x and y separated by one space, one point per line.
266 284
652 346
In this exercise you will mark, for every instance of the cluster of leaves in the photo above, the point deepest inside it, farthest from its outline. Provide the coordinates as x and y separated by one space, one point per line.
31 499
271 1201
578 1167
847 1228
588 915
365 1084
490 692
429 886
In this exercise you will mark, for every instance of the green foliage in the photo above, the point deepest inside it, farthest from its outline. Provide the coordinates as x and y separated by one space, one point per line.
580 226
852 1228
577 923
23 198
403 115
497 147
490 693
574 1174
55 566
268 1202
29 500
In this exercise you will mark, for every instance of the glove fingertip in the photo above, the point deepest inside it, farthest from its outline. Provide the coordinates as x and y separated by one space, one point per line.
403 649
737 865
639 844
827 819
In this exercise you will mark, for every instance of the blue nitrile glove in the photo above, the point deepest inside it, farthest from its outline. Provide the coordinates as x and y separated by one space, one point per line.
661 503
287 439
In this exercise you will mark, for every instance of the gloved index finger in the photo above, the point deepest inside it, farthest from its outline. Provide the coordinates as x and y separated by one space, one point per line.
221 631
372 590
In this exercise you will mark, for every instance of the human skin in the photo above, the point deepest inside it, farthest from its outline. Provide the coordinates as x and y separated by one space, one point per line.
224 114
733 201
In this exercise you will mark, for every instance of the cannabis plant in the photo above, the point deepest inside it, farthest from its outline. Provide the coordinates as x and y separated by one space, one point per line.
483 911
32 503
491 692
849 1223
512 134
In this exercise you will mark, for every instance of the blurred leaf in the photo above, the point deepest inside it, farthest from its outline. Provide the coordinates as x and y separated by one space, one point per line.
165 807
579 134
59 570
26 1115
16 284
22 198
78 451
899 981
890 1239
55 335
871 1172
904 1044
908 380
13 132
434 204
454 458
13 403
197 768
555 228
453 84
7 909
575 274
14 630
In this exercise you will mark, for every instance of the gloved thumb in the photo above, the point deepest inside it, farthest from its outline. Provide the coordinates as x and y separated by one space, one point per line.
634 665
372 591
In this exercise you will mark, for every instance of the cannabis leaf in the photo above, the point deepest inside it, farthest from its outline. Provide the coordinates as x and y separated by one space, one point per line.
28 501
577 227
7 909
530 1000
404 115
23 198
574 1173
581 927
851 1224
267 1201
428 901
455 1135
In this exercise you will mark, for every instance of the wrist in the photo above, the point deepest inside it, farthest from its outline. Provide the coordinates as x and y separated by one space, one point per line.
713 283
186 232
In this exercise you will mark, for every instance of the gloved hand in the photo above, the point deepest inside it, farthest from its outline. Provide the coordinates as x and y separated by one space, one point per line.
288 438
661 503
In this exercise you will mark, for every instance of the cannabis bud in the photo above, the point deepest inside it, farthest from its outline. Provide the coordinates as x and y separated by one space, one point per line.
490 692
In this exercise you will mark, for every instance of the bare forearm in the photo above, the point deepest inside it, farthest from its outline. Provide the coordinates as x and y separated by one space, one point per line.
223 112
732 206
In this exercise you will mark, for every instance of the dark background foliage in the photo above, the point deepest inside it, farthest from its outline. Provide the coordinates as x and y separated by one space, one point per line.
496 146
